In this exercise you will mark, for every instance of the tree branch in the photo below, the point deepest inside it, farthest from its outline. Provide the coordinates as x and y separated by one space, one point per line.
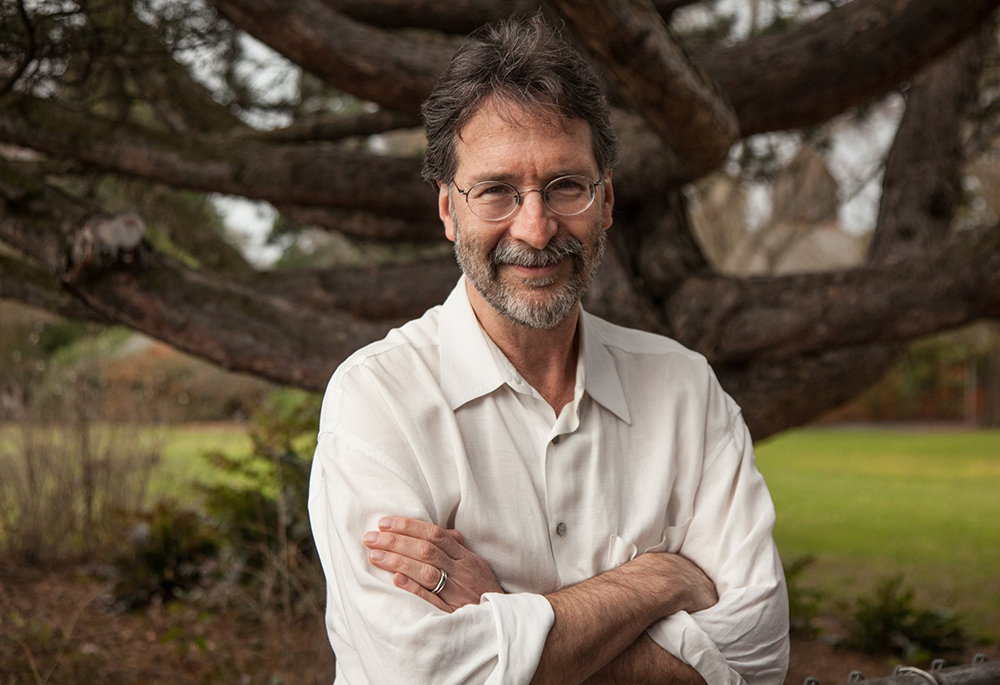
782 317
331 127
396 71
923 183
458 16
37 287
652 71
779 395
308 175
365 225
845 58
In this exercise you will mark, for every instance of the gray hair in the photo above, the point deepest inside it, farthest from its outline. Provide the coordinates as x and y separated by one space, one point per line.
520 61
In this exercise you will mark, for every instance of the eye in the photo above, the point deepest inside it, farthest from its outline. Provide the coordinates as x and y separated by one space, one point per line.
569 185
491 191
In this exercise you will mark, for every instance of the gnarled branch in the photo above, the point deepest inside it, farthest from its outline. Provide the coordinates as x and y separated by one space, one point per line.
654 73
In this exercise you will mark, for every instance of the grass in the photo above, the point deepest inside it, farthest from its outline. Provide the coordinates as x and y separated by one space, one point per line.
873 503
867 503
183 462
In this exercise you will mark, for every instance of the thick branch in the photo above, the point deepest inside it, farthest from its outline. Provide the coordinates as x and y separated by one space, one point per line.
396 71
104 261
382 292
37 287
331 127
458 16
799 77
653 72
366 225
779 395
783 317
923 171
308 175
847 57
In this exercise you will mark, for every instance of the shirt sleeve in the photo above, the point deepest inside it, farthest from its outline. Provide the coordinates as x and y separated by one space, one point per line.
744 637
387 634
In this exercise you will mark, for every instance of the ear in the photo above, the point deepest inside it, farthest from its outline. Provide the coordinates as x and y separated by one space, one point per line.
608 202
445 209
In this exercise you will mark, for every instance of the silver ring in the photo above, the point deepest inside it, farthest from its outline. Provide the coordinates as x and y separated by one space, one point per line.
441 583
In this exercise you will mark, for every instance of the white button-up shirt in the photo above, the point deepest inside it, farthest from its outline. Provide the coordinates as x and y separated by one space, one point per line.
434 423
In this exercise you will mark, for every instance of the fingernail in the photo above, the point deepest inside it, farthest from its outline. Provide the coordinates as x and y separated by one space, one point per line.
377 555
371 537
385 523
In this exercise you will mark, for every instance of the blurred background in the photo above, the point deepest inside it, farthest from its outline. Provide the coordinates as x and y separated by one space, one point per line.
159 390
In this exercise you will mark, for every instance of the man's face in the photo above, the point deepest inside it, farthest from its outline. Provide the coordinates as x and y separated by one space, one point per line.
533 266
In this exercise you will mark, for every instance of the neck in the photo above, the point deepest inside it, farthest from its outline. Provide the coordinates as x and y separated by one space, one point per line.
546 358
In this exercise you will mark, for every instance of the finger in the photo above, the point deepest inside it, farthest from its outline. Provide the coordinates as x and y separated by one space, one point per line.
423 530
406 583
426 575
459 538
416 549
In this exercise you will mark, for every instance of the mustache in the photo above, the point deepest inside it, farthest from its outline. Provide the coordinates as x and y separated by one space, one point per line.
511 252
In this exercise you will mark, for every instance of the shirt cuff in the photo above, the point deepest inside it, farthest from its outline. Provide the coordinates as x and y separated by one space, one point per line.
681 635
523 621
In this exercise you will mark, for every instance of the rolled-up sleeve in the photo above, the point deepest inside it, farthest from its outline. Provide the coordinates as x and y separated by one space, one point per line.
744 637
382 634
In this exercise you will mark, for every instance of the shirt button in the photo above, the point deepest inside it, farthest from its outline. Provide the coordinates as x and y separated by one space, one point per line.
555 440
561 529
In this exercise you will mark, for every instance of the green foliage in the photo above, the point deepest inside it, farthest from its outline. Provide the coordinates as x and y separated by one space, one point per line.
262 510
173 551
890 622
803 602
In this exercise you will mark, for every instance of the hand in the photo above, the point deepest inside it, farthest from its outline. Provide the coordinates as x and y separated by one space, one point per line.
417 551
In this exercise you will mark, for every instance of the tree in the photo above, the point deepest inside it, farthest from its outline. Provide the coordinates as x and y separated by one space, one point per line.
101 125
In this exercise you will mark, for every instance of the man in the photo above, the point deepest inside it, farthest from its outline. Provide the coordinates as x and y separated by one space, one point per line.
509 490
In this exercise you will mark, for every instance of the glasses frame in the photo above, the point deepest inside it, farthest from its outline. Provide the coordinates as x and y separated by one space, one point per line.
541 191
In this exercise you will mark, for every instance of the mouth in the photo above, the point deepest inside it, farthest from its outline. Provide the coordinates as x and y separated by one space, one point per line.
541 271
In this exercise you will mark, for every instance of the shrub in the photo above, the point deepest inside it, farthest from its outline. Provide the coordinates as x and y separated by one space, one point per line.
172 551
262 510
889 622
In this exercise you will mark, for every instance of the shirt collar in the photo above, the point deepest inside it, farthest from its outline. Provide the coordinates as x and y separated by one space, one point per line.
470 368
601 378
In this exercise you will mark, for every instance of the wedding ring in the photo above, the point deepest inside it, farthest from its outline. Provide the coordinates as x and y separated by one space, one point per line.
441 583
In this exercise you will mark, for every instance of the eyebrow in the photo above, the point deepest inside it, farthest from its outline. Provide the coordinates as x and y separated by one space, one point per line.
514 180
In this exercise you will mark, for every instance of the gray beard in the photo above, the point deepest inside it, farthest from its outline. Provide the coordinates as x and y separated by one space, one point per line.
522 310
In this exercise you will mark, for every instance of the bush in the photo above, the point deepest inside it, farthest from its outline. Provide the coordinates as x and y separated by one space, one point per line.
890 623
262 510
172 551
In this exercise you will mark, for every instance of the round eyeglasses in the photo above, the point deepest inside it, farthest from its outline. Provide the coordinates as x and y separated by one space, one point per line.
496 200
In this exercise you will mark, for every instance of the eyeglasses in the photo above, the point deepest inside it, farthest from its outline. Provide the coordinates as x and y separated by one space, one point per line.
496 200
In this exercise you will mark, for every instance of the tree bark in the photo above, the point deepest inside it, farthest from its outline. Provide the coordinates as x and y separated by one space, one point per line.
396 71
784 317
845 58
633 44
309 175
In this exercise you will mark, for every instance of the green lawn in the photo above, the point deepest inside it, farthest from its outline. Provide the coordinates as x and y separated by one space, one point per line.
870 504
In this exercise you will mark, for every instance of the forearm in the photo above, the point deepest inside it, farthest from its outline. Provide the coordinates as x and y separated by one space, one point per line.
599 619
647 663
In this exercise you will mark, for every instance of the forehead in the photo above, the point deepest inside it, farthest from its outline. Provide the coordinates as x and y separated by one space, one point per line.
504 141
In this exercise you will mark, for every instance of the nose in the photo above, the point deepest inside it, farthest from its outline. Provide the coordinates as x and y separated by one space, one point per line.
533 223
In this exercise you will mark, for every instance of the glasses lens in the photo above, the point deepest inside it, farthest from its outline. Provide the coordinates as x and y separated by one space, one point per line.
492 200
569 195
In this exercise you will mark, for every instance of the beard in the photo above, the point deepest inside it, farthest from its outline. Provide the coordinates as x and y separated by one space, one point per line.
537 303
